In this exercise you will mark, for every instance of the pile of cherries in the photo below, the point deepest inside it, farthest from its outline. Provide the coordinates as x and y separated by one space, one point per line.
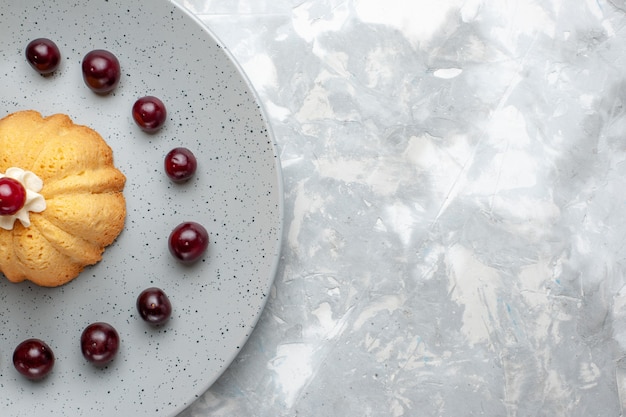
99 342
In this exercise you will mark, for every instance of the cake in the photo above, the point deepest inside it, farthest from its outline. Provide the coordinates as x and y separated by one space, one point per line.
74 207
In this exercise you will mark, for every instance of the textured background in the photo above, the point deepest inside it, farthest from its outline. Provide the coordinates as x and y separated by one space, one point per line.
455 176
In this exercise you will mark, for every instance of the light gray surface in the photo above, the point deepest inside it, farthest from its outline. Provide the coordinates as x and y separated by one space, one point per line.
454 178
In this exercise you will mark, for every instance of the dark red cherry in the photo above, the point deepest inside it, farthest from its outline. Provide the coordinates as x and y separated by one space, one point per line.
188 242
154 306
180 164
12 196
43 55
99 343
33 359
101 71
149 113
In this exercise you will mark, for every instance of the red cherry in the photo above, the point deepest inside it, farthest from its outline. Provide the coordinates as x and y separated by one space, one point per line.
154 306
101 71
149 113
12 196
180 164
43 55
99 343
188 242
33 359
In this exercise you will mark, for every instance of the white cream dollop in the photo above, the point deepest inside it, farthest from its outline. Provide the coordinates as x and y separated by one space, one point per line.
34 201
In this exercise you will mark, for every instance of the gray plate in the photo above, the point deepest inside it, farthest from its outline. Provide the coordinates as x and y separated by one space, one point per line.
236 194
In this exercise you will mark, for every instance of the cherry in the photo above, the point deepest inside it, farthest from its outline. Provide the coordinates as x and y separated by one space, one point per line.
149 113
99 343
12 196
101 71
154 306
188 242
33 359
180 164
43 55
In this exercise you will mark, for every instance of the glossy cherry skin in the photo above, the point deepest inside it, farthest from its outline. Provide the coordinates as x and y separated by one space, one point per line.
99 343
101 71
149 113
33 359
154 306
43 55
12 196
188 242
180 164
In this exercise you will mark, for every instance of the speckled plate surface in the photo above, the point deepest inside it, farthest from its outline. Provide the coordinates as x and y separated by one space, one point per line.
236 194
